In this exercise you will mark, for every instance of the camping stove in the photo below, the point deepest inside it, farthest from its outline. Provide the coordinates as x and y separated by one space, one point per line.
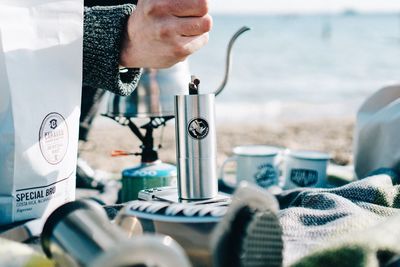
151 171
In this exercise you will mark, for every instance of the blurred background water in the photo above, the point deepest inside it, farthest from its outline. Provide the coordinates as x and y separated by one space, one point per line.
299 66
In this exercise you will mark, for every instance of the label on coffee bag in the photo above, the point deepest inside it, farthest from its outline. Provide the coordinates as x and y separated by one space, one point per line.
53 138
28 200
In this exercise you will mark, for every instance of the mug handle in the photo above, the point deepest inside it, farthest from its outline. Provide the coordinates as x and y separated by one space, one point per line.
222 171
279 163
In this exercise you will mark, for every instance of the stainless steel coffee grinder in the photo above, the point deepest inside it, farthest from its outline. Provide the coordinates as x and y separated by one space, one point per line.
196 144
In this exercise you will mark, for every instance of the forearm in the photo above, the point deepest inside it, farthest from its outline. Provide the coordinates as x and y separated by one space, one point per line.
104 29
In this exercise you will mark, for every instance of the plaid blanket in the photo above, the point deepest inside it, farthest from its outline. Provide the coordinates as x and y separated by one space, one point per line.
353 225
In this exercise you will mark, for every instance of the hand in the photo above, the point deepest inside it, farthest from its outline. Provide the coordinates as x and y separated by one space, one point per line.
161 33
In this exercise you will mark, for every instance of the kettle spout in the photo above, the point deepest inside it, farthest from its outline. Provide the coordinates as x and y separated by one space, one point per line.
229 58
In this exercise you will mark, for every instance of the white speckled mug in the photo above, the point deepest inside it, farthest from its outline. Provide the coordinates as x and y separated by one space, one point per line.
305 168
257 164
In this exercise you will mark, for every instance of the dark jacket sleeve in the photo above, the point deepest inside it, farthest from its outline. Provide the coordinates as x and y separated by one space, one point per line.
103 31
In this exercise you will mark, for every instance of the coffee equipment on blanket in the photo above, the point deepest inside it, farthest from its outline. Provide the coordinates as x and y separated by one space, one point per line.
243 231
189 211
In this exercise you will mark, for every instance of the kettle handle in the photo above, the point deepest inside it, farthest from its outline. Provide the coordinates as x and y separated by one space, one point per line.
229 58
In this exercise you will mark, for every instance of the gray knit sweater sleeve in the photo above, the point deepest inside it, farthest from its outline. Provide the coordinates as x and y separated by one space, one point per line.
103 32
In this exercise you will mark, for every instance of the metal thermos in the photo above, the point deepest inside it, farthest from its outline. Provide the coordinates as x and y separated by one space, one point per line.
196 144
79 234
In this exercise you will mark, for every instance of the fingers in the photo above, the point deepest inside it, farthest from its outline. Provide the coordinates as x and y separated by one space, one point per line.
184 47
178 8
193 43
174 27
192 26
161 33
189 8
184 17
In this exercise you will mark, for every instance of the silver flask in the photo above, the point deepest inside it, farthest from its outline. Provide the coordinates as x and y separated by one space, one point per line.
196 144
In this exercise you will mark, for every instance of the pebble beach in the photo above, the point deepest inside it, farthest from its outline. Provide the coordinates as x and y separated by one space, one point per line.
332 135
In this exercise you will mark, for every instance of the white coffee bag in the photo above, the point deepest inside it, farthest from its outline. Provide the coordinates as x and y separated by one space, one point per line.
40 91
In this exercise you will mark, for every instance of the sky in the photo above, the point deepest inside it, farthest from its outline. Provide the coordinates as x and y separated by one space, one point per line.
301 6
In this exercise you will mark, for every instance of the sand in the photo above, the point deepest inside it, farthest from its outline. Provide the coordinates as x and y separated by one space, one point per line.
332 135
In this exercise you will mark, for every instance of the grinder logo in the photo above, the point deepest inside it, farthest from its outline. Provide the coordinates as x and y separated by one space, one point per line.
198 128
53 138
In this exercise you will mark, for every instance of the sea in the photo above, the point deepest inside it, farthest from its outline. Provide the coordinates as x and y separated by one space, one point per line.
295 67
